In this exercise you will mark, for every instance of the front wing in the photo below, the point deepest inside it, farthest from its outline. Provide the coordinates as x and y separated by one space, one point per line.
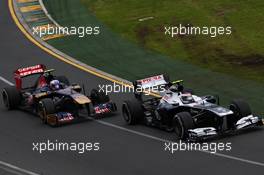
61 118
200 134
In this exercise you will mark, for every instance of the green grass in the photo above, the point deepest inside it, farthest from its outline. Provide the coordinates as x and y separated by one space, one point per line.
243 51
114 54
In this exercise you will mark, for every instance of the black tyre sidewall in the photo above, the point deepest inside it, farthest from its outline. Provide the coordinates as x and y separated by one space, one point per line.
183 122
132 112
240 108
178 127
98 97
126 113
11 97
47 107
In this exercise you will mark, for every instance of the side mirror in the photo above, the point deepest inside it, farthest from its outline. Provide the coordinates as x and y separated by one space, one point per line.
213 99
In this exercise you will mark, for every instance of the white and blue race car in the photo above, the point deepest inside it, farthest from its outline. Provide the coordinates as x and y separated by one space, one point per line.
192 117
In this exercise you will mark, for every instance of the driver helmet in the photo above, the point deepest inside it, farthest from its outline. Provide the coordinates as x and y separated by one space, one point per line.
173 88
55 84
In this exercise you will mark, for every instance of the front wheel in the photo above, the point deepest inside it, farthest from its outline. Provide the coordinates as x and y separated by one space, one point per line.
46 107
183 121
240 108
99 97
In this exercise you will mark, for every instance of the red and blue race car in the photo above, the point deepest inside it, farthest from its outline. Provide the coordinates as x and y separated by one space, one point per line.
53 98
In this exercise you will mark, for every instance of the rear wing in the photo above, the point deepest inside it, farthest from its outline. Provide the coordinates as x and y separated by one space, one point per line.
153 81
151 85
155 85
23 72
27 71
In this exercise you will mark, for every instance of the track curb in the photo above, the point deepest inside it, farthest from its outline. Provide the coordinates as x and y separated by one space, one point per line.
91 69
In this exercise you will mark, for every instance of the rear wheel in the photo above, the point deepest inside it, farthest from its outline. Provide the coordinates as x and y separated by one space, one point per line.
132 112
240 108
183 121
138 95
11 97
46 107
98 97
166 77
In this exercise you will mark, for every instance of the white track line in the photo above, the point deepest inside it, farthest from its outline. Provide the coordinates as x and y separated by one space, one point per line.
143 135
6 81
15 170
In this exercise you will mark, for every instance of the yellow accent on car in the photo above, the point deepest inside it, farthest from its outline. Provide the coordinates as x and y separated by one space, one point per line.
40 94
81 99
177 81
49 70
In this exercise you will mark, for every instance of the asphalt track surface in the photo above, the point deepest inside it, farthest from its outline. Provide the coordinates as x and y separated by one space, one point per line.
137 150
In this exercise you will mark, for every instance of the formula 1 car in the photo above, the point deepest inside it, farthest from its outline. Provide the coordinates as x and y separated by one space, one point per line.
56 106
193 118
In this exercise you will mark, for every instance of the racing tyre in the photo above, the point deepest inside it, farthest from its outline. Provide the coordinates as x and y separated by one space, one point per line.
240 108
114 107
132 111
11 97
63 80
166 77
98 97
46 107
138 95
183 121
